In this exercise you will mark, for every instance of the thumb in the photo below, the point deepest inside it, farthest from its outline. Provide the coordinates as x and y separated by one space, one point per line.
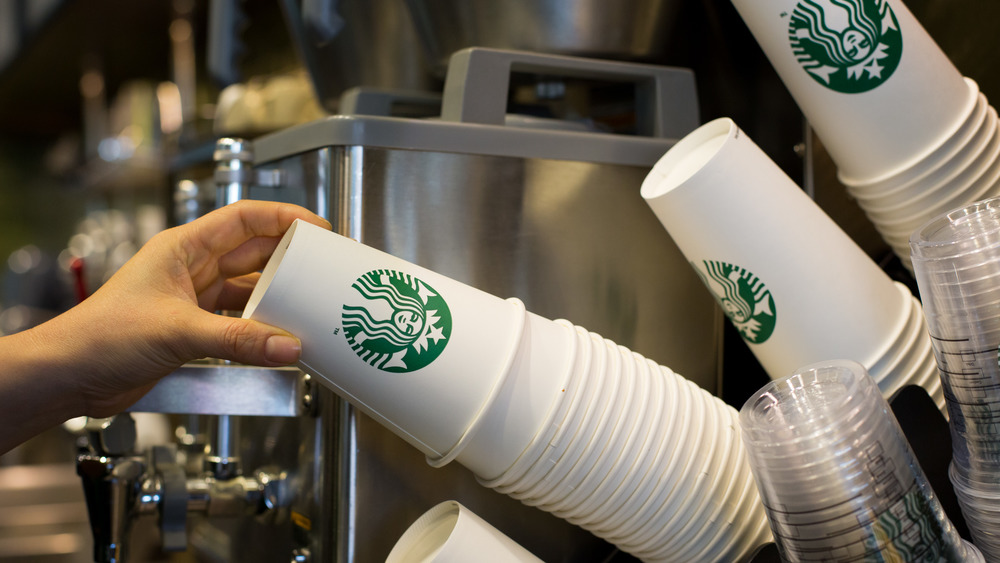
245 341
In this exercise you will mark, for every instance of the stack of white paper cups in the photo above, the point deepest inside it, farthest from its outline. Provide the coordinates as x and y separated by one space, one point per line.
837 476
544 411
956 259
797 288
451 533
910 136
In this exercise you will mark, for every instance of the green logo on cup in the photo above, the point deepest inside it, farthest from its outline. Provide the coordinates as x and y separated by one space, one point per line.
398 323
850 46
743 297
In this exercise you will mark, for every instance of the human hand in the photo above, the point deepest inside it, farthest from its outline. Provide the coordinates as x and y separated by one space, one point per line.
157 312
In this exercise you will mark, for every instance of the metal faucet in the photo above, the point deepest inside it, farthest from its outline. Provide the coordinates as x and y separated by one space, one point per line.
121 485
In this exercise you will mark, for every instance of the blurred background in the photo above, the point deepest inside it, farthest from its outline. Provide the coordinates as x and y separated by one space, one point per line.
110 111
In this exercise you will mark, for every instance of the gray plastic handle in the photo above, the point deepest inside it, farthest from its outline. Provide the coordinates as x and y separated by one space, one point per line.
476 85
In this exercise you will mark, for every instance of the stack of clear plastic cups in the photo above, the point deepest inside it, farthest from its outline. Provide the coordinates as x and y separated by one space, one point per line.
836 475
956 260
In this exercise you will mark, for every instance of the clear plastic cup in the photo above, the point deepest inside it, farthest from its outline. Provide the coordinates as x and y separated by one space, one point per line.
955 259
875 500
981 509
958 237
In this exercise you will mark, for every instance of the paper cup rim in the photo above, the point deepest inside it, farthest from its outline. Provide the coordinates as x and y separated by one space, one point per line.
511 480
944 196
892 342
613 424
642 475
575 442
875 193
630 425
428 523
271 269
938 193
701 146
473 428
942 140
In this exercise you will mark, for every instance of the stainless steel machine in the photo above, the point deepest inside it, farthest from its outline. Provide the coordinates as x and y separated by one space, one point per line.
532 205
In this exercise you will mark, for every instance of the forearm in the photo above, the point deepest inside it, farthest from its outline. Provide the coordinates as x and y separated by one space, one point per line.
36 387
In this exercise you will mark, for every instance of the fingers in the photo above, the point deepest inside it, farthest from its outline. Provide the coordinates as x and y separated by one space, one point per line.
235 240
235 292
250 256
227 229
242 340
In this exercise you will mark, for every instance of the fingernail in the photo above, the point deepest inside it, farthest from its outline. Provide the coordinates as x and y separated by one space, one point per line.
281 349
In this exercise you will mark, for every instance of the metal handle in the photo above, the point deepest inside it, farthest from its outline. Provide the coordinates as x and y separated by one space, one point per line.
475 89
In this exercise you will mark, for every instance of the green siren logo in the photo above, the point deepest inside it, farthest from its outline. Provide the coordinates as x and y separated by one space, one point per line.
743 298
850 46
400 324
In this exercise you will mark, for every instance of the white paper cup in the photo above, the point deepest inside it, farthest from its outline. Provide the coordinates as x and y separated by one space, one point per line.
451 533
689 497
603 452
636 460
679 450
591 436
536 382
582 399
903 329
876 88
515 478
793 283
925 200
930 172
421 353
553 467
674 417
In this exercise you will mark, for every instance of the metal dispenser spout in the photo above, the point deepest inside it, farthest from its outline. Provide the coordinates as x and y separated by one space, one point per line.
121 486
111 477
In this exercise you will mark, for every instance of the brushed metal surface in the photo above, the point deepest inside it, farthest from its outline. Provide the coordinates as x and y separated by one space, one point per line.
571 239
226 390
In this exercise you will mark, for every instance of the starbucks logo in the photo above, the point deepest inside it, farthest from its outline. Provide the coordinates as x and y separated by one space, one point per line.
396 323
743 297
850 46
